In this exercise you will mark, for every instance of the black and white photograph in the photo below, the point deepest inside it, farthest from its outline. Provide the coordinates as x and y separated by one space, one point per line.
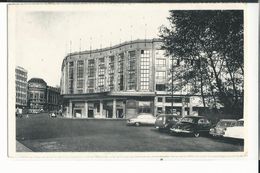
128 79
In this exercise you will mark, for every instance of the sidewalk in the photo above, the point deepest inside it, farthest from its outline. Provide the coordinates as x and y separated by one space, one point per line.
21 148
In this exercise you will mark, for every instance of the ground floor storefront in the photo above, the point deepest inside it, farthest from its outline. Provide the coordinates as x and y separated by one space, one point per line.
116 106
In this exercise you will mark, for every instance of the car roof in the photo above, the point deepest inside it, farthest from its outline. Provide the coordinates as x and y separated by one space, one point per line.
194 116
174 115
227 120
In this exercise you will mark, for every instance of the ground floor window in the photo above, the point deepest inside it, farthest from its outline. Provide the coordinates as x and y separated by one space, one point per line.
144 110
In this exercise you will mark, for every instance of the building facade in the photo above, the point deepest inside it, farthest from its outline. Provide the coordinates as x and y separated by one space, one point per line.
21 87
120 82
42 97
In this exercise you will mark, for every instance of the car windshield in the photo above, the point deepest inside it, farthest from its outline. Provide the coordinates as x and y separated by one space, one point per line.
226 124
188 120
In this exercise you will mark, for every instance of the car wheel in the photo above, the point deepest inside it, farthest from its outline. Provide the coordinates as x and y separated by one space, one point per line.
137 124
196 134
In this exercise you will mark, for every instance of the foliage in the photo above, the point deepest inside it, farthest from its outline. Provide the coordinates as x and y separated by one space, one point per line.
209 47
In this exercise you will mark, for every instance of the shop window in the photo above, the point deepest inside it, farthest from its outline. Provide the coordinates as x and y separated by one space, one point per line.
144 110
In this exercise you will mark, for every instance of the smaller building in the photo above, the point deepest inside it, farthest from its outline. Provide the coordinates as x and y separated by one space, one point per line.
42 97
21 87
53 98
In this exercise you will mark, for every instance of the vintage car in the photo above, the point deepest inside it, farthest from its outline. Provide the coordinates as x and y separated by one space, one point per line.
221 126
166 121
236 131
194 125
142 119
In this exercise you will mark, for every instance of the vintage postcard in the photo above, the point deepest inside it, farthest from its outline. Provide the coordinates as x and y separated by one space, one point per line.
127 80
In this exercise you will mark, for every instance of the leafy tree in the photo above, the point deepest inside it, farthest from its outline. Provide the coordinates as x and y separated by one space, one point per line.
209 46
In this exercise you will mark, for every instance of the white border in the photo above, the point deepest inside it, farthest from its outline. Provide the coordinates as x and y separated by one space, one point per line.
251 79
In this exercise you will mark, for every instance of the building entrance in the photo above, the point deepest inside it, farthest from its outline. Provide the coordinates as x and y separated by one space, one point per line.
77 113
90 113
120 113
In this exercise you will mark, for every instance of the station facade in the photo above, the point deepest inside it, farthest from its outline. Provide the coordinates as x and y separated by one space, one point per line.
121 81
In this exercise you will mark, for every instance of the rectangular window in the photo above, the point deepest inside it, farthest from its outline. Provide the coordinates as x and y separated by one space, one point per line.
101 74
71 75
174 100
120 71
91 75
160 62
159 99
160 87
145 69
80 71
131 71
111 68
160 75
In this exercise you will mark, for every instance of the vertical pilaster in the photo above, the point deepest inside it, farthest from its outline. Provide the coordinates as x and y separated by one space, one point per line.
70 109
101 108
190 107
114 108
154 106
183 107
86 109
163 106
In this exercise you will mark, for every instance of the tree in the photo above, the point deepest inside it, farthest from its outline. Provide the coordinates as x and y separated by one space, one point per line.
210 46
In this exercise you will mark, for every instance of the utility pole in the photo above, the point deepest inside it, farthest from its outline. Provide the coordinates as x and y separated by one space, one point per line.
172 86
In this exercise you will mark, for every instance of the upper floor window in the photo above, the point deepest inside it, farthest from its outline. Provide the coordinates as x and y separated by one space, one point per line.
160 62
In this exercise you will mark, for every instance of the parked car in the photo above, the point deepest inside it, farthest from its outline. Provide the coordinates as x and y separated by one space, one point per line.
166 121
195 125
221 127
142 119
53 115
236 131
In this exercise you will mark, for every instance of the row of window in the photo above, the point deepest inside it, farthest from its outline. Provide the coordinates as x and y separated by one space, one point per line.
131 72
174 99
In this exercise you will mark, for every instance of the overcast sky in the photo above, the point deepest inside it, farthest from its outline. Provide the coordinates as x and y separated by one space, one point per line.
43 34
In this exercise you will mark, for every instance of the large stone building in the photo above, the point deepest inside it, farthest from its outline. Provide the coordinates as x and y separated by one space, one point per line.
120 82
42 97
21 87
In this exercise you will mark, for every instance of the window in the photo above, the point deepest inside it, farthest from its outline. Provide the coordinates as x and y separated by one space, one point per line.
160 62
80 69
71 75
111 69
159 110
145 69
160 75
120 71
160 87
159 99
132 71
174 100
91 75
101 74
144 110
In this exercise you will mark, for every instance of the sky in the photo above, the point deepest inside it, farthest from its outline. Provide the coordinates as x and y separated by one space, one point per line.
43 32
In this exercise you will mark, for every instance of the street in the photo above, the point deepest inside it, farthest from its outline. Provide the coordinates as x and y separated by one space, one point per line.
41 133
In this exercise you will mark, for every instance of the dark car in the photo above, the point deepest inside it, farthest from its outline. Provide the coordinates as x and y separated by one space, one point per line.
195 125
166 121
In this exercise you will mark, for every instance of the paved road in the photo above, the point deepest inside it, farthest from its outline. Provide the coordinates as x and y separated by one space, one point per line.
44 134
